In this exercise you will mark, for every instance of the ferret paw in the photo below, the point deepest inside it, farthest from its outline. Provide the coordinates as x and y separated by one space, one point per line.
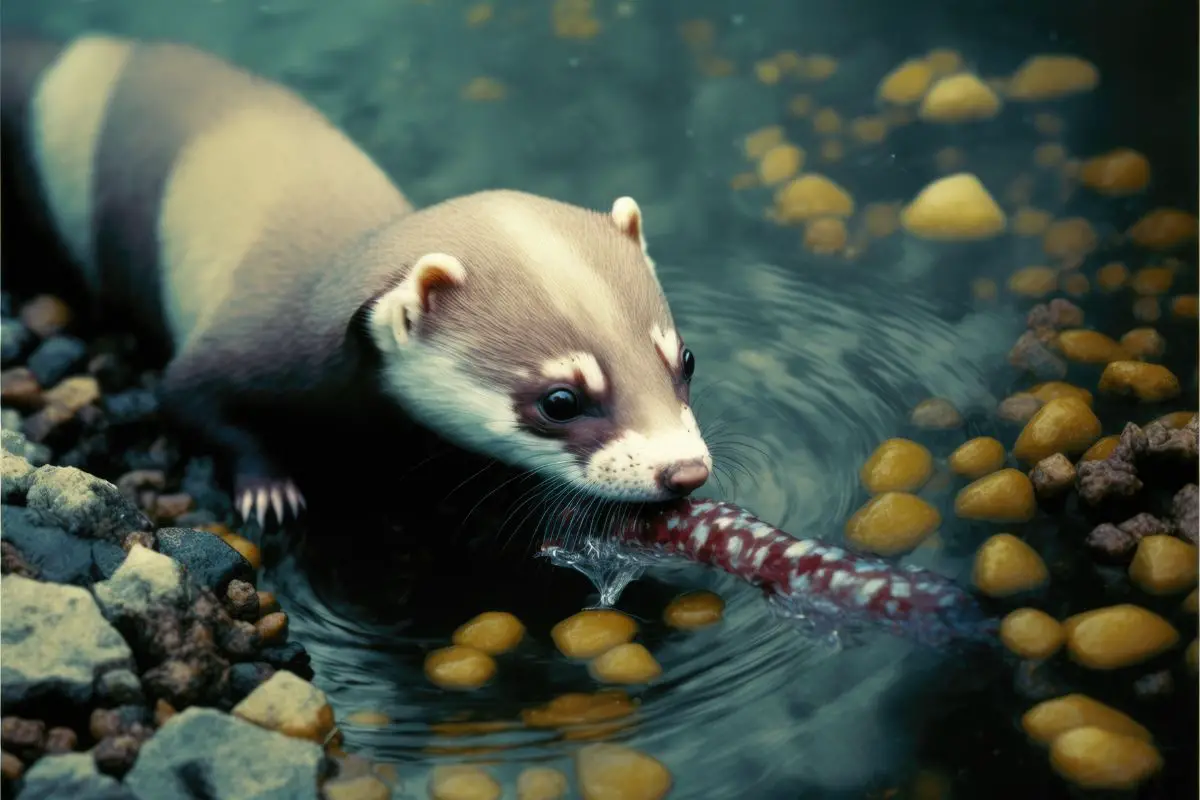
258 497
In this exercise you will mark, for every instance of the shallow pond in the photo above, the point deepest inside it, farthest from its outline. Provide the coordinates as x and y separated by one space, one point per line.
806 362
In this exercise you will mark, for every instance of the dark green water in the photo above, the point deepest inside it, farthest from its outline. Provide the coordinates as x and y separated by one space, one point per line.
811 361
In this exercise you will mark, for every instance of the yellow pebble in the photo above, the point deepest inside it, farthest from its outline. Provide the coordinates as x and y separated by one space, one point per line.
1147 309
978 457
959 98
1076 284
590 633
694 610
935 413
458 667
1190 602
1031 221
825 235
1005 565
1096 759
1164 565
1046 77
1144 343
1152 280
1069 239
1035 282
1089 347
811 196
1163 229
827 122
462 782
1149 383
1003 496
897 465
943 61
757 144
616 772
492 632
780 163
1052 390
1031 633
625 663
1118 636
1117 173
484 89
800 105
1049 719
956 207
478 14
1112 276
541 783
768 72
869 130
832 150
1185 306
1102 449
892 523
1063 425
907 83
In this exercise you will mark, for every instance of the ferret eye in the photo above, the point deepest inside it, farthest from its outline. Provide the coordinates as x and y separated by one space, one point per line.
560 405
689 364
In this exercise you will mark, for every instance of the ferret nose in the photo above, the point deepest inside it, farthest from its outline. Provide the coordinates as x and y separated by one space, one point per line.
684 477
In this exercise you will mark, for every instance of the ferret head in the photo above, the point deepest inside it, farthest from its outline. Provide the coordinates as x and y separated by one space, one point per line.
537 333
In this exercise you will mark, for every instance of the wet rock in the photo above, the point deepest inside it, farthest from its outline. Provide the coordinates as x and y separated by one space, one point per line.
1186 509
182 682
55 554
358 787
115 755
241 598
209 560
72 776
290 705
1132 445
61 740
131 406
1109 543
244 678
107 558
1037 680
15 442
16 342
12 562
120 687
45 315
1052 476
1113 477
1141 525
73 394
16 476
56 358
240 640
19 389
1056 314
291 656
1031 354
1175 443
204 752
53 425
55 642
145 583
1018 408
273 628
82 504
146 539
170 507
24 738
1155 686
11 767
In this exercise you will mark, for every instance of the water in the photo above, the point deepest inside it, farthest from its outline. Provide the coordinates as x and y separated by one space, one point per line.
805 363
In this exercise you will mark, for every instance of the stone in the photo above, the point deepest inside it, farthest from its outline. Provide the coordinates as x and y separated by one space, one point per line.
19 389
289 705
57 556
107 558
244 678
72 776
82 504
209 560
55 642
115 755
360 787
146 581
13 441
24 738
16 475
45 315
13 561
291 656
202 752
241 599
56 358
120 687
16 341
129 407
61 740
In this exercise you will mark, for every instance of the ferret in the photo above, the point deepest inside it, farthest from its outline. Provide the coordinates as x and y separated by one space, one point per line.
291 279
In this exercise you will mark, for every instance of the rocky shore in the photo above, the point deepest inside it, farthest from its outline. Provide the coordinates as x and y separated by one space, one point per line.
139 659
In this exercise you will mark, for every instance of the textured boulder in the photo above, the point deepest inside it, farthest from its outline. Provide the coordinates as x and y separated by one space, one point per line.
209 560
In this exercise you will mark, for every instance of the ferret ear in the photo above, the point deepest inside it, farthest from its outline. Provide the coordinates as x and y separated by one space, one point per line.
628 218
396 312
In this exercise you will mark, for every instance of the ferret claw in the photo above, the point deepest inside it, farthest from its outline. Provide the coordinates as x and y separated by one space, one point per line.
258 500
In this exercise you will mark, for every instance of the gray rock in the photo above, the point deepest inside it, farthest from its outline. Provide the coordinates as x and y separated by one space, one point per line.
15 342
205 753
83 504
55 643
209 560
56 358
13 441
10 419
145 581
121 687
57 556
71 776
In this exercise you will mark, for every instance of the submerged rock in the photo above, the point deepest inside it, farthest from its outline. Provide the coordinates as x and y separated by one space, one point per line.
209 560
71 776
289 705
202 752
57 556
55 643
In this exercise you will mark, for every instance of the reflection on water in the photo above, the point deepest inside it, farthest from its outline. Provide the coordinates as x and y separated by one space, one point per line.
800 377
